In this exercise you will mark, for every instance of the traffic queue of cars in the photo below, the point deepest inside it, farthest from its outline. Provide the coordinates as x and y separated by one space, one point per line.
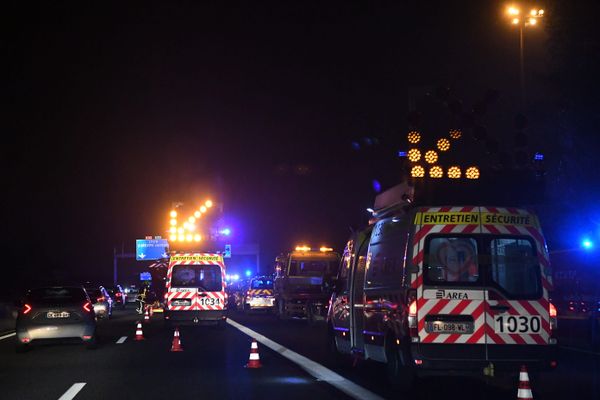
65 314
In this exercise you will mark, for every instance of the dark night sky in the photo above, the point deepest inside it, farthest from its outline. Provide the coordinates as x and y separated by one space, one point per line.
119 109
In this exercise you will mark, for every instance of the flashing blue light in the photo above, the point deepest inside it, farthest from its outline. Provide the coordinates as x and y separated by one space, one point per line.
248 272
402 154
587 244
376 186
235 277
538 157
226 231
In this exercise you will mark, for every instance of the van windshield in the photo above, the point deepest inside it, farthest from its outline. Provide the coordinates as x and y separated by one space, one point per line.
204 277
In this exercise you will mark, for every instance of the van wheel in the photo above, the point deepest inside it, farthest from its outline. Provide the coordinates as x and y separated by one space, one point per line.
399 375
336 356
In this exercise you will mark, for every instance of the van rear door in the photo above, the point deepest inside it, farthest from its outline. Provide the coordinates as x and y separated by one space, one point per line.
518 300
450 286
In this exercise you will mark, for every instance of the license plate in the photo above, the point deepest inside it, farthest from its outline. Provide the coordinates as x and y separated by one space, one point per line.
52 314
517 323
449 327
181 302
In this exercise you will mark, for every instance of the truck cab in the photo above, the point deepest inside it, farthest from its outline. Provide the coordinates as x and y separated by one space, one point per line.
304 281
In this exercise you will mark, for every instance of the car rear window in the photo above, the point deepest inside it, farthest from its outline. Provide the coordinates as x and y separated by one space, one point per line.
56 295
204 277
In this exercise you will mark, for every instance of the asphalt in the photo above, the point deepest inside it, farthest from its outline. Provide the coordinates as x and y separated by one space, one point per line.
212 365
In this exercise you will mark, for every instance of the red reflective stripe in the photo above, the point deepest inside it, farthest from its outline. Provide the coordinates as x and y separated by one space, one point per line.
447 228
422 232
418 282
492 229
513 229
477 334
470 228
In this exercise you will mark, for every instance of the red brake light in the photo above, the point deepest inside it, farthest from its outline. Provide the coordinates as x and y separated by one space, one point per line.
118 294
26 308
101 298
552 310
87 306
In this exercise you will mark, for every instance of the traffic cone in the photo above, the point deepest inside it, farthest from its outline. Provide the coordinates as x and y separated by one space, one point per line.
524 391
176 346
139 335
146 316
254 359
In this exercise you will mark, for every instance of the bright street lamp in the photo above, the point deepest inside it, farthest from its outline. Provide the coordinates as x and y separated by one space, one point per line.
529 19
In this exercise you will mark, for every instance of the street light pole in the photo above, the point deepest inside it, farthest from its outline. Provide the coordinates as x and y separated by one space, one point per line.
523 20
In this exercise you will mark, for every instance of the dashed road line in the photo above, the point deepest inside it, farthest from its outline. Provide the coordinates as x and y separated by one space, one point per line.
72 392
7 335
122 340
315 369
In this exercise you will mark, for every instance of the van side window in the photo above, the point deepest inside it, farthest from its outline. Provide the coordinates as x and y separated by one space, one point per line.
386 256
451 259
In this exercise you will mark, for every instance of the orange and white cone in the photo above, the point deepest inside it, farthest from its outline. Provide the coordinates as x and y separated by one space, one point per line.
176 346
524 391
254 359
139 335
146 316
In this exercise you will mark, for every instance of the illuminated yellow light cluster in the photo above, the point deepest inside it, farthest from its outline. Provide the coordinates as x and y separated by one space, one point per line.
443 144
436 172
454 172
431 157
414 137
534 14
302 248
472 173
417 171
185 233
414 155
455 133
325 249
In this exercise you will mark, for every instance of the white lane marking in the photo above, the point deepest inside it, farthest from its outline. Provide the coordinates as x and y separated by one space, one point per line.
8 335
122 340
315 369
579 350
72 392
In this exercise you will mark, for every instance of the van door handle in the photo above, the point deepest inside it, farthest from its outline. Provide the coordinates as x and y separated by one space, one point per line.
202 294
500 308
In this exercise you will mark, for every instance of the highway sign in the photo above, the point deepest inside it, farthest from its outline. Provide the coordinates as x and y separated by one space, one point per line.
145 276
151 249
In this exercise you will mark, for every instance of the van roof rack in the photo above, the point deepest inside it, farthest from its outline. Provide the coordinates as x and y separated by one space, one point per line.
397 200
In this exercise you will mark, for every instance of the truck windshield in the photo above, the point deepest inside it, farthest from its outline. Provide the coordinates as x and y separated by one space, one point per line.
204 277
311 267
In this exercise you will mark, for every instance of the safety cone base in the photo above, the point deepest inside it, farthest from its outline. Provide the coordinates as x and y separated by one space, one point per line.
524 390
176 345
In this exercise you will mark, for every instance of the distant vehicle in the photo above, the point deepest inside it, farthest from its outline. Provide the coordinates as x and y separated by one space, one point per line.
304 281
131 292
235 294
440 290
259 295
101 300
118 295
195 289
56 314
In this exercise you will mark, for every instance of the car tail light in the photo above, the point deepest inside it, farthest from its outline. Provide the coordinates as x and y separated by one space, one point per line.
25 340
87 306
118 295
102 298
87 337
412 313
553 316
26 308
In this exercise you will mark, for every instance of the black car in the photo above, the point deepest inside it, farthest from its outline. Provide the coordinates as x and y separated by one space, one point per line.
118 295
